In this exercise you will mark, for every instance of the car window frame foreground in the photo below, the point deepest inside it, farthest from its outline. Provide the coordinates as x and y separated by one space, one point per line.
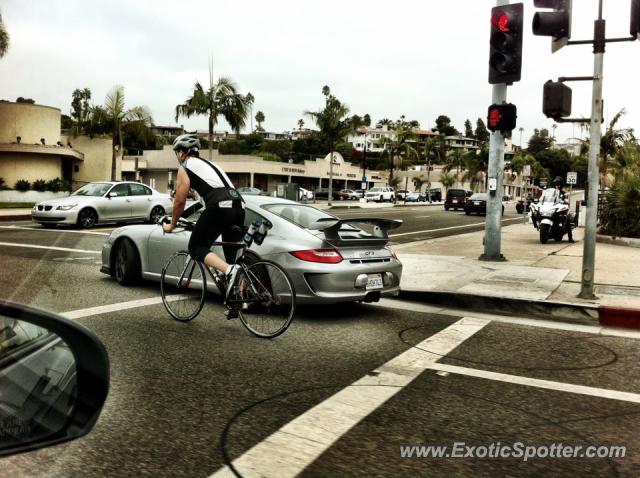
92 372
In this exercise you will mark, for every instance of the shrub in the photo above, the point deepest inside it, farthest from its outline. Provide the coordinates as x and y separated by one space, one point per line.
269 157
3 185
620 215
22 185
40 185
55 185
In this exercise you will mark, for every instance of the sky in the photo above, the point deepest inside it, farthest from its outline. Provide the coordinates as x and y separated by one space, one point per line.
387 59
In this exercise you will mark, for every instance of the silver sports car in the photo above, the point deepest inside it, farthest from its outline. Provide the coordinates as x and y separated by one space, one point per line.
329 259
107 201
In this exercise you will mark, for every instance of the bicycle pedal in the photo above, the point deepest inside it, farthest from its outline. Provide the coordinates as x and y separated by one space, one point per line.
231 314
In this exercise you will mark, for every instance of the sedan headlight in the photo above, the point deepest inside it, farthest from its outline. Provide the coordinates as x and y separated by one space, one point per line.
66 207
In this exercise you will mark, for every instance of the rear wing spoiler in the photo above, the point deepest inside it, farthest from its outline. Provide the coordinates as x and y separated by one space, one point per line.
332 227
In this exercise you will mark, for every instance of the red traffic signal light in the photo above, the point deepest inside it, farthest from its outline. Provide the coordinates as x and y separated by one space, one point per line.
505 53
502 117
556 24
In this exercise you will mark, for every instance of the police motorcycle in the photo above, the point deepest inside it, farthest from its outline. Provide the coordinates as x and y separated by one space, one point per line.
550 215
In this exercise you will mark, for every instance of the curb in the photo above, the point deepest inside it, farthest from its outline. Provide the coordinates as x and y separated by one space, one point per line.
16 217
618 241
538 309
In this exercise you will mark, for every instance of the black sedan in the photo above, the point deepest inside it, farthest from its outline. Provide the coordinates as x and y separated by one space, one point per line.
477 203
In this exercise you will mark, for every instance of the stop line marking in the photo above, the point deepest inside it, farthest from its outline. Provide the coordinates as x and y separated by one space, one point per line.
39 229
105 309
51 248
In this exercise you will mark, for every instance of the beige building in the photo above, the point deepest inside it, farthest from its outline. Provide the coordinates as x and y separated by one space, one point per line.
159 168
32 148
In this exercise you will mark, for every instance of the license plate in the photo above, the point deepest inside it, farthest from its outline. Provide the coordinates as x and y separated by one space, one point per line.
477 203
455 201
374 281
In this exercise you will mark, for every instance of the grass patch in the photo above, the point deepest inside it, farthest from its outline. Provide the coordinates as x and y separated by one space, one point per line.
16 205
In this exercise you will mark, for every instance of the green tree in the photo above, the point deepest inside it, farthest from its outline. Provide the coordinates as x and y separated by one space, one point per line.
385 122
399 148
620 215
250 100
518 163
557 161
612 141
476 166
113 116
300 123
221 98
444 126
80 107
468 130
455 160
419 181
447 180
260 120
539 141
367 120
4 39
481 133
334 124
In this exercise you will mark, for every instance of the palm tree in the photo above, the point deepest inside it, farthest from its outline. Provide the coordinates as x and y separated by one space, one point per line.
399 146
418 182
432 147
300 123
385 122
334 125
113 116
4 39
222 98
260 119
476 166
612 142
250 100
447 181
455 160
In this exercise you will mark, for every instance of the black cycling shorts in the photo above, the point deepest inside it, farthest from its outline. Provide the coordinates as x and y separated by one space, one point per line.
212 222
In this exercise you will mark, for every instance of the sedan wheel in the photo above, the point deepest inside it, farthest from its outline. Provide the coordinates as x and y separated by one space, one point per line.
157 213
87 218
126 263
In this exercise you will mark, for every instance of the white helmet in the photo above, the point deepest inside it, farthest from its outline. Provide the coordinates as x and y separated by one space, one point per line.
186 142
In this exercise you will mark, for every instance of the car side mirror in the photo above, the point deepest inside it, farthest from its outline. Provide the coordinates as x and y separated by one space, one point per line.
54 379
112 195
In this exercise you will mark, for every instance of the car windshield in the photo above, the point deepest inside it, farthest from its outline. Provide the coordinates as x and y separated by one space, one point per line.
303 216
93 189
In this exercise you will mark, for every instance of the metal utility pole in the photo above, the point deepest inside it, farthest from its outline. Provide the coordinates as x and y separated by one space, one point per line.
589 251
492 230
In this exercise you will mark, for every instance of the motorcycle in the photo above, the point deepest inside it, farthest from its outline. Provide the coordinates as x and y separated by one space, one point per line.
550 216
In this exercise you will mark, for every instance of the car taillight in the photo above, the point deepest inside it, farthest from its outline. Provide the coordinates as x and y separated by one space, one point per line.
325 256
392 252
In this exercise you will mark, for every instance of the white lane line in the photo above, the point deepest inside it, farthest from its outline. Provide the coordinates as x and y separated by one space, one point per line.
105 309
524 321
38 229
51 248
289 450
448 228
534 382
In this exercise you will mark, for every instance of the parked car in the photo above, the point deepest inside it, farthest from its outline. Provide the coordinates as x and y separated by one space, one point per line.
380 194
106 201
456 198
523 205
349 194
324 194
401 194
329 259
305 194
416 197
435 195
477 203
360 193
250 191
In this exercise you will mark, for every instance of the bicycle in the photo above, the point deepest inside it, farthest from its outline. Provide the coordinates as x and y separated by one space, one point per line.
263 296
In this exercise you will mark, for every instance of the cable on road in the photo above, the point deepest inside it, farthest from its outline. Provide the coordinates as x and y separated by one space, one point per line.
613 355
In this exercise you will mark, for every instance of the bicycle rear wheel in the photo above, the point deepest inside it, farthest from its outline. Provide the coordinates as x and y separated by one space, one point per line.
265 299
183 286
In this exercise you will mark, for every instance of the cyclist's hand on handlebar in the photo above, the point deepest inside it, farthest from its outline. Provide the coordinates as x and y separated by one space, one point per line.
168 228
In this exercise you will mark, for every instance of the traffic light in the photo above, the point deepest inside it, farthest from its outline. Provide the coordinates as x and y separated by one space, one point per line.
502 117
635 19
505 53
556 24
556 100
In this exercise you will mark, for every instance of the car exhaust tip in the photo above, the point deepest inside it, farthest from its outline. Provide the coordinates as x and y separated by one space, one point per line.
372 297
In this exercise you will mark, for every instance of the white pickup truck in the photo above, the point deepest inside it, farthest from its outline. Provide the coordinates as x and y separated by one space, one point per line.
379 194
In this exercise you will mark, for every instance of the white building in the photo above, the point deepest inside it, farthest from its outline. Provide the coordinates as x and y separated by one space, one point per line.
374 138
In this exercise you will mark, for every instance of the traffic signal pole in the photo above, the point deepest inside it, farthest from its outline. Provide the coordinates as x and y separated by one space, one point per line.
589 251
492 229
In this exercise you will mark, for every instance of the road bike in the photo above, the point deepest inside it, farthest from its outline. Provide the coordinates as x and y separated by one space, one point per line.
262 295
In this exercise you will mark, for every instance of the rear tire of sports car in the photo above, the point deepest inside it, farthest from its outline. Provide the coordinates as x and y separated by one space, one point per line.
157 213
126 263
87 218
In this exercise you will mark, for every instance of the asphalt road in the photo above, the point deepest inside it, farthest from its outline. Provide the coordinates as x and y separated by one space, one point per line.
188 399
428 222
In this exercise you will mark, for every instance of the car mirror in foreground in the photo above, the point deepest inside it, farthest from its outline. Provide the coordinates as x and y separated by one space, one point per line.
112 195
54 379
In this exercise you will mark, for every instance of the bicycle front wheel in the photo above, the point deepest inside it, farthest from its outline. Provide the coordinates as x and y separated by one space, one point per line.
265 299
183 286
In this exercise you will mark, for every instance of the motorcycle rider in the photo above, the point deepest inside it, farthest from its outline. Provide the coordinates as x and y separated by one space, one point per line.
562 196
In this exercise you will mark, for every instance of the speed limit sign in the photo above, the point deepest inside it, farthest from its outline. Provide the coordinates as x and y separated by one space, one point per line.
572 178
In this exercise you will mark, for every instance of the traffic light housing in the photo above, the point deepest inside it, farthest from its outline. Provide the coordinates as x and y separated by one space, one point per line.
556 100
505 53
502 117
635 19
556 24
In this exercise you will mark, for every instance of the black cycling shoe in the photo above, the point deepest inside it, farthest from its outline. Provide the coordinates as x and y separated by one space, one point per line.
231 314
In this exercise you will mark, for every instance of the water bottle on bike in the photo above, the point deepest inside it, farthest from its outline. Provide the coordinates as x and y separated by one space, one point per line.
261 233
248 237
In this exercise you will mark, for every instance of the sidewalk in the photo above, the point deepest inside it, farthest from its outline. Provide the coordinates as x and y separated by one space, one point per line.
15 214
535 280
370 205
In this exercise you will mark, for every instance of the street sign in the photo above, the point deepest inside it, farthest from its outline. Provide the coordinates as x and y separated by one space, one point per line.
526 170
363 186
572 177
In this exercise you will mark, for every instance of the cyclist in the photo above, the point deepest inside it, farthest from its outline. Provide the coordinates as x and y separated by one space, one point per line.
224 206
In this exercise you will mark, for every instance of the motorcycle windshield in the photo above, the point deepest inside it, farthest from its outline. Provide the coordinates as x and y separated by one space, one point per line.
550 196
